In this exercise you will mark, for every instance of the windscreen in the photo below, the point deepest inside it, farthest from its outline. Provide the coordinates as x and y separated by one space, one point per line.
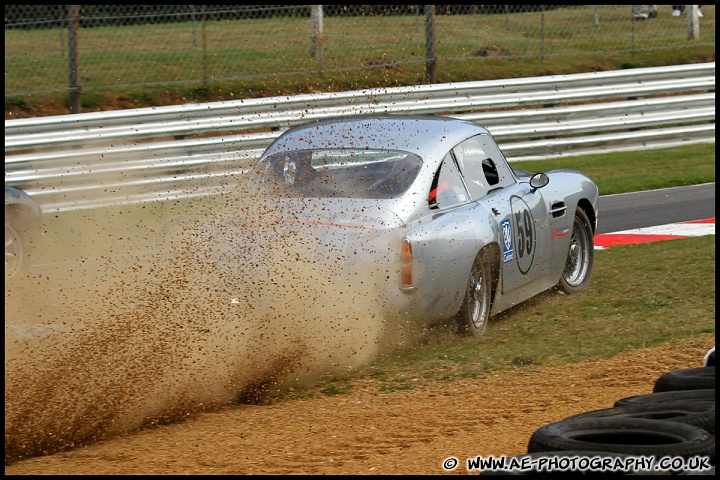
339 173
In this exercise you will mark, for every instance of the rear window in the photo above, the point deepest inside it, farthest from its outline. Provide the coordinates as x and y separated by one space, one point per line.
339 173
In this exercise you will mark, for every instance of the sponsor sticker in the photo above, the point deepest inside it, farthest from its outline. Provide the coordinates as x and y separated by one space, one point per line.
508 251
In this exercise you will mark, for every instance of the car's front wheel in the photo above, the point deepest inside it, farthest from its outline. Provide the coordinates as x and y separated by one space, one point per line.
581 255
474 313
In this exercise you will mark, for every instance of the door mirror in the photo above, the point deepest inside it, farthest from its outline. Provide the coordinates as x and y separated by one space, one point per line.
539 180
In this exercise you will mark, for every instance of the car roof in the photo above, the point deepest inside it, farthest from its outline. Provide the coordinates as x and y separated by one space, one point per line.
428 136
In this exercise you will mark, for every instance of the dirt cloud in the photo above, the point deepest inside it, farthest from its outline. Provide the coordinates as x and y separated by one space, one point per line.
101 345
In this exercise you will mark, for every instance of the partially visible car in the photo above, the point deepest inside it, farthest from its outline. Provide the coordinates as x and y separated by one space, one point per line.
23 228
424 209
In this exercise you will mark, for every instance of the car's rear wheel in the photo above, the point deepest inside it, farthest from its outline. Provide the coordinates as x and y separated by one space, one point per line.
581 255
474 313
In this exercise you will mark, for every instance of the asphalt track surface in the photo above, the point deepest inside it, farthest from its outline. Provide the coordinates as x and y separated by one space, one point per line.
656 215
656 207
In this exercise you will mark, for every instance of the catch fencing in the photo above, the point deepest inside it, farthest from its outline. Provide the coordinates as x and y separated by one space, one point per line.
131 156
90 50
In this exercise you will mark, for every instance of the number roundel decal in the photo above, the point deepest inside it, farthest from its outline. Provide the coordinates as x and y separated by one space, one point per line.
524 228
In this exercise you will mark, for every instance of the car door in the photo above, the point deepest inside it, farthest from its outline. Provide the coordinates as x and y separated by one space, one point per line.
445 241
519 211
476 202
522 217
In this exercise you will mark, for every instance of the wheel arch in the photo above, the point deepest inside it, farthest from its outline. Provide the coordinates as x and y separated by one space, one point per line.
492 251
587 207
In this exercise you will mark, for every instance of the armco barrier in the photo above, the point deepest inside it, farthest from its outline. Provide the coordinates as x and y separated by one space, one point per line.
138 155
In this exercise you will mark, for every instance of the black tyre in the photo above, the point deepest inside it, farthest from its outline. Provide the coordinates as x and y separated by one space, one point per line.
474 314
699 378
698 414
581 255
633 436
706 395
710 471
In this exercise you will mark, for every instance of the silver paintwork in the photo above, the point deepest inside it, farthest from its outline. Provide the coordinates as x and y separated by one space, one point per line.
526 229
23 222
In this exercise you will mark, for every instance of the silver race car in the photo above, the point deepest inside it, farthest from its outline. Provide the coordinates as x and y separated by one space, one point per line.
427 212
23 229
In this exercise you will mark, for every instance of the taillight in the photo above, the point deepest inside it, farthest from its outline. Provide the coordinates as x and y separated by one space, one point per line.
406 264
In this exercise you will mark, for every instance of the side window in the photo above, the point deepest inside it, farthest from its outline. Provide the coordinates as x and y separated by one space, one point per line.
494 165
470 156
447 189
490 171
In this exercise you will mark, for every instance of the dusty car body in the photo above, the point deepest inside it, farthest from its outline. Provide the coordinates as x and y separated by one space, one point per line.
428 212
23 224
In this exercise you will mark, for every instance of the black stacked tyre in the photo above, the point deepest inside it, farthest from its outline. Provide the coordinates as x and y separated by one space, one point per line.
699 413
632 436
699 378
703 395
675 422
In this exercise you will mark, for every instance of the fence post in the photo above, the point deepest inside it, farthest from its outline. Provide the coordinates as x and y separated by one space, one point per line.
73 27
542 32
693 24
430 59
204 46
316 34
632 14
596 17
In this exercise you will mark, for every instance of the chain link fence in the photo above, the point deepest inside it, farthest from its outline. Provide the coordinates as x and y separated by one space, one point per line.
73 48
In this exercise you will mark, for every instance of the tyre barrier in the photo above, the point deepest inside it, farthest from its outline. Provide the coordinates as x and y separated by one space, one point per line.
703 395
699 413
633 436
711 471
676 420
686 379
